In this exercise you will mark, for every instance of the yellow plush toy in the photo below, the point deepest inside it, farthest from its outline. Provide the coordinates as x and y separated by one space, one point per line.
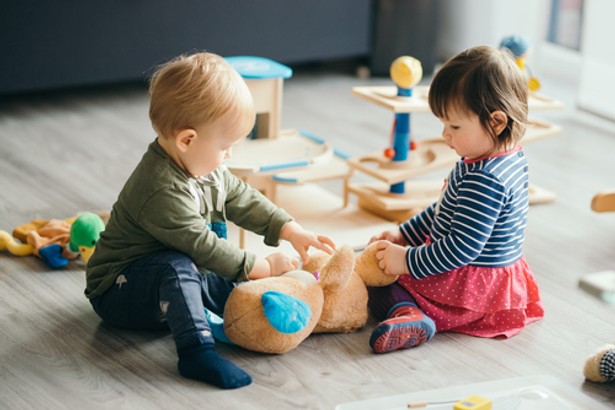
274 315
8 242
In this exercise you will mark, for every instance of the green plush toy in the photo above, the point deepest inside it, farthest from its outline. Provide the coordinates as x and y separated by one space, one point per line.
84 234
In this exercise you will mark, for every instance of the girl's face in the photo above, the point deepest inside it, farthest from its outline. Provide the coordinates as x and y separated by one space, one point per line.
464 133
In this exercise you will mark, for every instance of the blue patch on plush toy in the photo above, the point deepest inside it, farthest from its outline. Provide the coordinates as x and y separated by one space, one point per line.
285 313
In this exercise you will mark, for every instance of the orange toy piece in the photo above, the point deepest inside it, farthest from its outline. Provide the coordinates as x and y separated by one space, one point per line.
22 231
55 231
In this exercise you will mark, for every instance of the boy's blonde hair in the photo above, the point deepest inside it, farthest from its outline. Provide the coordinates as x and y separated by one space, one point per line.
192 90
482 80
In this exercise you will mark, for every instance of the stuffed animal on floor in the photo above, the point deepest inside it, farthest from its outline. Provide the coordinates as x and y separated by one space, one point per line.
274 315
600 366
55 241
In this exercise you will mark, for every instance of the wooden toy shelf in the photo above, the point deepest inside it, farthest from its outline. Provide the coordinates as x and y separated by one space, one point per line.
430 155
386 97
282 163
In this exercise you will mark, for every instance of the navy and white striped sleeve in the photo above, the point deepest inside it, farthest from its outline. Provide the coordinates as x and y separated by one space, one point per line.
417 228
480 198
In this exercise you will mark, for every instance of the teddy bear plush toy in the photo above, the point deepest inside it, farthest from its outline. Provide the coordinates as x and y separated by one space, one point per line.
274 315
600 366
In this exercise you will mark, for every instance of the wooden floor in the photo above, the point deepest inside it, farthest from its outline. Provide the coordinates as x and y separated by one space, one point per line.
62 153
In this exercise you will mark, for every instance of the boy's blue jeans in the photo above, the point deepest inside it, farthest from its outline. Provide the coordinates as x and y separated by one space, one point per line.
165 290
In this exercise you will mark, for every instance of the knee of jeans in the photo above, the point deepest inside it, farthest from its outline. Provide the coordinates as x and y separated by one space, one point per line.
181 265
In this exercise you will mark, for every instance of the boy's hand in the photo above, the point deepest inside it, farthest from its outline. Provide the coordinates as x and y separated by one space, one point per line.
302 240
280 263
391 258
272 265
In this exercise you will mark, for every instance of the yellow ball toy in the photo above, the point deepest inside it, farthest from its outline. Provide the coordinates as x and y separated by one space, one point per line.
406 71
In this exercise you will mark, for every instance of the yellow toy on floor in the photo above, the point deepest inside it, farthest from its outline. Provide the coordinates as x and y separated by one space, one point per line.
13 246
274 315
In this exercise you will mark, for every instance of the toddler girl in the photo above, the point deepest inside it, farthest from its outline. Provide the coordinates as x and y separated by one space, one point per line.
461 260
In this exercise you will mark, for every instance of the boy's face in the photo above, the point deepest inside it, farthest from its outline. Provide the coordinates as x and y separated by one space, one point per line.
212 144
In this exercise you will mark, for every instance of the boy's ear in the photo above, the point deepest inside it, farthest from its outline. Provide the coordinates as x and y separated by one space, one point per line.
184 138
498 121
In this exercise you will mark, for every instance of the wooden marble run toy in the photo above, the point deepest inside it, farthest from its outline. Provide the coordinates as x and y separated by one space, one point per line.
284 163
271 156
394 196
406 72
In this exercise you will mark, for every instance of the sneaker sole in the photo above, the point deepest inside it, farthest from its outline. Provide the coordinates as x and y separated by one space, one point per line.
402 337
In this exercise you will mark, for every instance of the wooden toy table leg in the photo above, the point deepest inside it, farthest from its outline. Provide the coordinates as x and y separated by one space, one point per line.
242 238
538 195
603 202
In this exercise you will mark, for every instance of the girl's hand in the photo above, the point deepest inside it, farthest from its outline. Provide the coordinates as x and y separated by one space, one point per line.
391 258
302 240
392 235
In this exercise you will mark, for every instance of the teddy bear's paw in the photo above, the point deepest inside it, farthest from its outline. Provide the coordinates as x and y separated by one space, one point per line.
367 267
285 313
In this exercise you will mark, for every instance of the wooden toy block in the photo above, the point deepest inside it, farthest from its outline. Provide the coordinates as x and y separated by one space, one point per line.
376 198
604 202
265 79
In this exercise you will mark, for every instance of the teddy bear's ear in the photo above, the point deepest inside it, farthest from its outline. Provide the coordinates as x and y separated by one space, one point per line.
338 269
367 267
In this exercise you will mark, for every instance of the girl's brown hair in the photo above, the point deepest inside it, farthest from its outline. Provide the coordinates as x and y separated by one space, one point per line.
482 80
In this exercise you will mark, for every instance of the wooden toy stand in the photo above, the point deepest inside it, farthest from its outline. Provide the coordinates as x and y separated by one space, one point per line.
430 155
283 163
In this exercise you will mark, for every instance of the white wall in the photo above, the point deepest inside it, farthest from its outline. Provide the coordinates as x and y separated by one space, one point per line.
597 82
467 23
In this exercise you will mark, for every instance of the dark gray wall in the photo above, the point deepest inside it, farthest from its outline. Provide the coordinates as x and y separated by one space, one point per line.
52 44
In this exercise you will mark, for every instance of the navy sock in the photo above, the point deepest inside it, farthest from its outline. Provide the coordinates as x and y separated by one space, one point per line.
203 363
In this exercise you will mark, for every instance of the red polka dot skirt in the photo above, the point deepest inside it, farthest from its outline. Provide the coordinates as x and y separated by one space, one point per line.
479 301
